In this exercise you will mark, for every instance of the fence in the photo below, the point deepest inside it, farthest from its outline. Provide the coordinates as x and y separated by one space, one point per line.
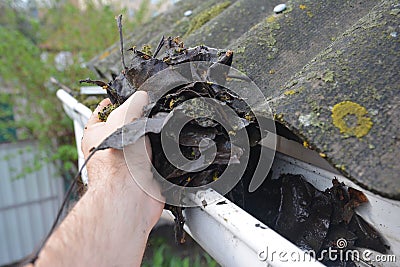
27 205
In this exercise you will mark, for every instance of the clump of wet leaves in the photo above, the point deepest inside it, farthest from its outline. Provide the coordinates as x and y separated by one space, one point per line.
310 218
203 81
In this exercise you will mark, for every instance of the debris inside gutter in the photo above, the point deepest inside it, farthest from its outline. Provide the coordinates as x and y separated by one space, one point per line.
314 220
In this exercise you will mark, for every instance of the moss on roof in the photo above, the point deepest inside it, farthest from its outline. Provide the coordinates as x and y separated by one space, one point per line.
205 16
272 51
231 24
326 68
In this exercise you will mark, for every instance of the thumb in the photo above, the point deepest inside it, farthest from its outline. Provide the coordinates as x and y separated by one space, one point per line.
129 111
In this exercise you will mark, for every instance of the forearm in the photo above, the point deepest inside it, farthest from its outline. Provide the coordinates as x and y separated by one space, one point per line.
103 229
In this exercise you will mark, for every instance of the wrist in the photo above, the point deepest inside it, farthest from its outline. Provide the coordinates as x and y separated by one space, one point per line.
107 168
123 200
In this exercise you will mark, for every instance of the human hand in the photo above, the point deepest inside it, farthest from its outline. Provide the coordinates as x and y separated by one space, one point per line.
110 224
108 168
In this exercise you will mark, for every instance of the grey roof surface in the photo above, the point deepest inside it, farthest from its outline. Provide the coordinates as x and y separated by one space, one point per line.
329 69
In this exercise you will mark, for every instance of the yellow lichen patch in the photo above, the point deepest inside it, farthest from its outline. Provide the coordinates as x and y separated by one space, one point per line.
302 7
340 167
171 103
306 144
290 92
322 155
215 176
271 19
347 108
147 50
248 117
104 55
278 117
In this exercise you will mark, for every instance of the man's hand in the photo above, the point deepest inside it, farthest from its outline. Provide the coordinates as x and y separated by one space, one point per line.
109 167
110 224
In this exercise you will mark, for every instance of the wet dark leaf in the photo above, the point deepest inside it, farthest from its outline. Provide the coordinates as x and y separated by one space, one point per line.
130 133
304 213
367 236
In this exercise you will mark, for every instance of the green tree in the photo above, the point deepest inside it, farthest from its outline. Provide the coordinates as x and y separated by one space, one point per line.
29 45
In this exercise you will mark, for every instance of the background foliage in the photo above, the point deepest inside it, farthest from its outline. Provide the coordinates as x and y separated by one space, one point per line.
32 36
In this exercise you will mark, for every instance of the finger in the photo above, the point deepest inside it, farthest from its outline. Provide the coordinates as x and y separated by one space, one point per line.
138 159
130 110
94 118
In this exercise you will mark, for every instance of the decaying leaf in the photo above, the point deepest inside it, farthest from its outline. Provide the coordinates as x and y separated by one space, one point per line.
182 102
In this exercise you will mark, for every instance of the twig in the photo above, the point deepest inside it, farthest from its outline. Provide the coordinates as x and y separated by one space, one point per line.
63 86
160 45
119 23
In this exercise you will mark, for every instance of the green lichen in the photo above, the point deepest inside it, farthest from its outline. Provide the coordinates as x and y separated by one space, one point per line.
371 146
311 119
205 16
267 40
293 83
240 49
272 23
395 12
311 75
345 109
301 89
288 10
328 76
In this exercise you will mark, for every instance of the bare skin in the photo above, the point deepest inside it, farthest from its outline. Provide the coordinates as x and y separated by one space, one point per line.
110 224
